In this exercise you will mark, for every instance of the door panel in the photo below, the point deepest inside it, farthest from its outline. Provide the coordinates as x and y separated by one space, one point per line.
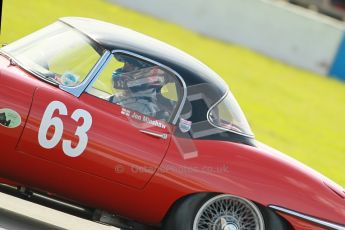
16 94
115 148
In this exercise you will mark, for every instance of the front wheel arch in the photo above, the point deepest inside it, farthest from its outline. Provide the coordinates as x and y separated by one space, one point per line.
272 220
184 210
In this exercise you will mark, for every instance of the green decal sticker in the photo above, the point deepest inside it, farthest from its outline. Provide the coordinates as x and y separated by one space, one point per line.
9 118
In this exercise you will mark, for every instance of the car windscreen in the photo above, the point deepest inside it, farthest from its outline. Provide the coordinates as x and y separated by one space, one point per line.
57 52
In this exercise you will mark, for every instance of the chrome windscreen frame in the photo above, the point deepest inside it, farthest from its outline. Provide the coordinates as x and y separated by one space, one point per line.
86 85
308 218
90 78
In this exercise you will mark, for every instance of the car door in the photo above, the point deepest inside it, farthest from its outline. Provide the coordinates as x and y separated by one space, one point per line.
17 89
120 141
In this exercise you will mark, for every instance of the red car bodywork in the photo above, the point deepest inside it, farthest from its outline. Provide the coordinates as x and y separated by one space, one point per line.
128 172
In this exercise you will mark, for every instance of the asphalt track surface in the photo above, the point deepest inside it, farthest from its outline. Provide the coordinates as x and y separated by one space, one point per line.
18 214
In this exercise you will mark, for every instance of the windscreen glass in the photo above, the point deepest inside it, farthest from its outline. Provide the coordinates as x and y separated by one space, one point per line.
228 115
57 53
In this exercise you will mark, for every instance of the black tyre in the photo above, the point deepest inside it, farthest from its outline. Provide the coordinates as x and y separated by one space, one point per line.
214 212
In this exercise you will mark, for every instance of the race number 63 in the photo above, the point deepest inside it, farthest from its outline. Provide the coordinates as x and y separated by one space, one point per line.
49 121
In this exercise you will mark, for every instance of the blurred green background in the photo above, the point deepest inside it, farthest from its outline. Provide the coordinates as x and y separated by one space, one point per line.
297 112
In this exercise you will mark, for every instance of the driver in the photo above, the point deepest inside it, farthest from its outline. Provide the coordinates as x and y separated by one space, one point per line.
140 83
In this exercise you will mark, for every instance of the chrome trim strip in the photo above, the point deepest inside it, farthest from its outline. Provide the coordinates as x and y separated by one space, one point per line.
159 135
90 78
308 218
184 97
218 127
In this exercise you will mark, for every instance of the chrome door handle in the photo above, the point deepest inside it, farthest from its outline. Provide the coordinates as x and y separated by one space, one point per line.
159 135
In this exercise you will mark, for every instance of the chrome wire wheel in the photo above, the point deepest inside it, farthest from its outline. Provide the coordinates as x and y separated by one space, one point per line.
226 212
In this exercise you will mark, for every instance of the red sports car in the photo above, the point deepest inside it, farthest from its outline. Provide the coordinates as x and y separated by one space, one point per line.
139 134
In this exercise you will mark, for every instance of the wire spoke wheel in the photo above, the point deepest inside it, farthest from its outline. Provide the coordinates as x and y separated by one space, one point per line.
226 212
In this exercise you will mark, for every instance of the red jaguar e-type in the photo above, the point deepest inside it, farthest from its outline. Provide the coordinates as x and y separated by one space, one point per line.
142 135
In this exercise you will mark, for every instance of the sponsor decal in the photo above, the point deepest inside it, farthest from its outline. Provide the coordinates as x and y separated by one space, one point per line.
125 112
9 118
184 125
142 118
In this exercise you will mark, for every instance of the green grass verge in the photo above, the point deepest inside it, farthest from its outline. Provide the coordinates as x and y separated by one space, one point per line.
295 111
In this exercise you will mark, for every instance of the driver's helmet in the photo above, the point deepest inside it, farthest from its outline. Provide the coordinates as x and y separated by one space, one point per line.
137 76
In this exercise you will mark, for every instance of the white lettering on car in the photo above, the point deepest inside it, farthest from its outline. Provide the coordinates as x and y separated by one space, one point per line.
143 118
49 121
